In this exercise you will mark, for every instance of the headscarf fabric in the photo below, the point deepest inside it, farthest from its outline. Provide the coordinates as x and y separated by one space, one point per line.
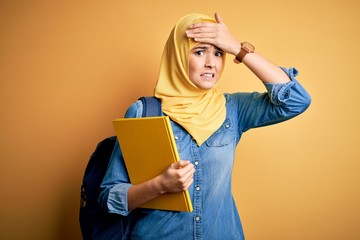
200 112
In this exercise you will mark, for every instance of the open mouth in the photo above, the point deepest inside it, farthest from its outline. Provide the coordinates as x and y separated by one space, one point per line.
208 75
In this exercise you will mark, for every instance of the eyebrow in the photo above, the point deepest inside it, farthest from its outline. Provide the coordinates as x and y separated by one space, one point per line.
206 47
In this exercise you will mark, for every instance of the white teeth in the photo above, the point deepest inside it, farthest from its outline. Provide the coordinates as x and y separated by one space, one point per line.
208 75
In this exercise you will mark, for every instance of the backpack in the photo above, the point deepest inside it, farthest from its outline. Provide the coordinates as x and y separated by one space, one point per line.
95 222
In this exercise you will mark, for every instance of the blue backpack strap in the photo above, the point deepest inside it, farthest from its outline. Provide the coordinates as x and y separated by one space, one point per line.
151 106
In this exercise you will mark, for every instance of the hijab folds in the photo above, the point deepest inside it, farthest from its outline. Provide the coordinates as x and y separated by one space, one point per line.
200 112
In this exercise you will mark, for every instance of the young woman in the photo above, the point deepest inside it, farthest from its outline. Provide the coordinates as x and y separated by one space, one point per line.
207 126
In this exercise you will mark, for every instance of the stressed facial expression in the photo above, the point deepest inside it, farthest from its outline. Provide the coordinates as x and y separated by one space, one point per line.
205 65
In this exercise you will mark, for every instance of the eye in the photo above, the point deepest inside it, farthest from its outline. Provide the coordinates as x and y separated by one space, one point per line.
200 52
219 53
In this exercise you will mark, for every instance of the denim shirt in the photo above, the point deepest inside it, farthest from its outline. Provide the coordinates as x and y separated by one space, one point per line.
215 215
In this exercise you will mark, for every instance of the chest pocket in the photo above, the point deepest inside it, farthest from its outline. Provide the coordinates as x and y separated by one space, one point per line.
225 135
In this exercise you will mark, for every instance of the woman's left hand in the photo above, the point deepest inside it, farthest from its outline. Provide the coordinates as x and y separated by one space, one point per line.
216 34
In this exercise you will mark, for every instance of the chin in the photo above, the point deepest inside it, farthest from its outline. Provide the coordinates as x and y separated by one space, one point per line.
206 87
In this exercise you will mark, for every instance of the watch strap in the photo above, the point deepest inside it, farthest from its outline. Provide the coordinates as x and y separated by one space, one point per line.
241 55
245 49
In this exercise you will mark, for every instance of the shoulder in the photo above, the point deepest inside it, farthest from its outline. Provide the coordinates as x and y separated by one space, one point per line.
134 110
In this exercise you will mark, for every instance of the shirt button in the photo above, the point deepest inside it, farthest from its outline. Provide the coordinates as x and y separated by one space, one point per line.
227 125
197 218
198 188
196 163
176 138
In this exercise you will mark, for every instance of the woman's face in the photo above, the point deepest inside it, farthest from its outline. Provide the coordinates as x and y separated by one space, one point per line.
205 65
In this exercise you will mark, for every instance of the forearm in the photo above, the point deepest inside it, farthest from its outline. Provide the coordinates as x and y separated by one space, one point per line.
143 193
176 178
265 70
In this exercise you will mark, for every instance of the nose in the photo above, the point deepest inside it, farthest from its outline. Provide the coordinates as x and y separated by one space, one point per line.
210 62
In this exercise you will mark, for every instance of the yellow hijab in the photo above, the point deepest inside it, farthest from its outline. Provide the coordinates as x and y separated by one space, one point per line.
200 112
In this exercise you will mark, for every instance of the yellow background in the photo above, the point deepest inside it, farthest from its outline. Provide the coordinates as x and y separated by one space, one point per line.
68 68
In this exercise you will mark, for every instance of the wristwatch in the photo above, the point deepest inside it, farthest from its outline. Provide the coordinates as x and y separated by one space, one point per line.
246 48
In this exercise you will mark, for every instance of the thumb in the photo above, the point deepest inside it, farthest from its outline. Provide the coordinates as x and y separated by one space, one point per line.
218 18
181 164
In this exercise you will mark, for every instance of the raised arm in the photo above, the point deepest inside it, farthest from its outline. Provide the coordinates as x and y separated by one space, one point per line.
219 35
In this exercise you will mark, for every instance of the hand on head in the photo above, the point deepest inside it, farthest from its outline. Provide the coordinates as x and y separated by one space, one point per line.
216 34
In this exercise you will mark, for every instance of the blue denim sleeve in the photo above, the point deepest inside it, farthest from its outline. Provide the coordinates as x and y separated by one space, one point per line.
116 183
282 101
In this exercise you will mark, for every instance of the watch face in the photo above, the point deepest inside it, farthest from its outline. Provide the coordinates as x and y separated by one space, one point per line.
248 47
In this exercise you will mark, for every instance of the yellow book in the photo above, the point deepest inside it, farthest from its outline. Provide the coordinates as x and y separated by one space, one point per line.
148 147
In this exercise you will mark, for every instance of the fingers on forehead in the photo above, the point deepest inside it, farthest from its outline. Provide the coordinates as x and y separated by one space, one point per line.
202 24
